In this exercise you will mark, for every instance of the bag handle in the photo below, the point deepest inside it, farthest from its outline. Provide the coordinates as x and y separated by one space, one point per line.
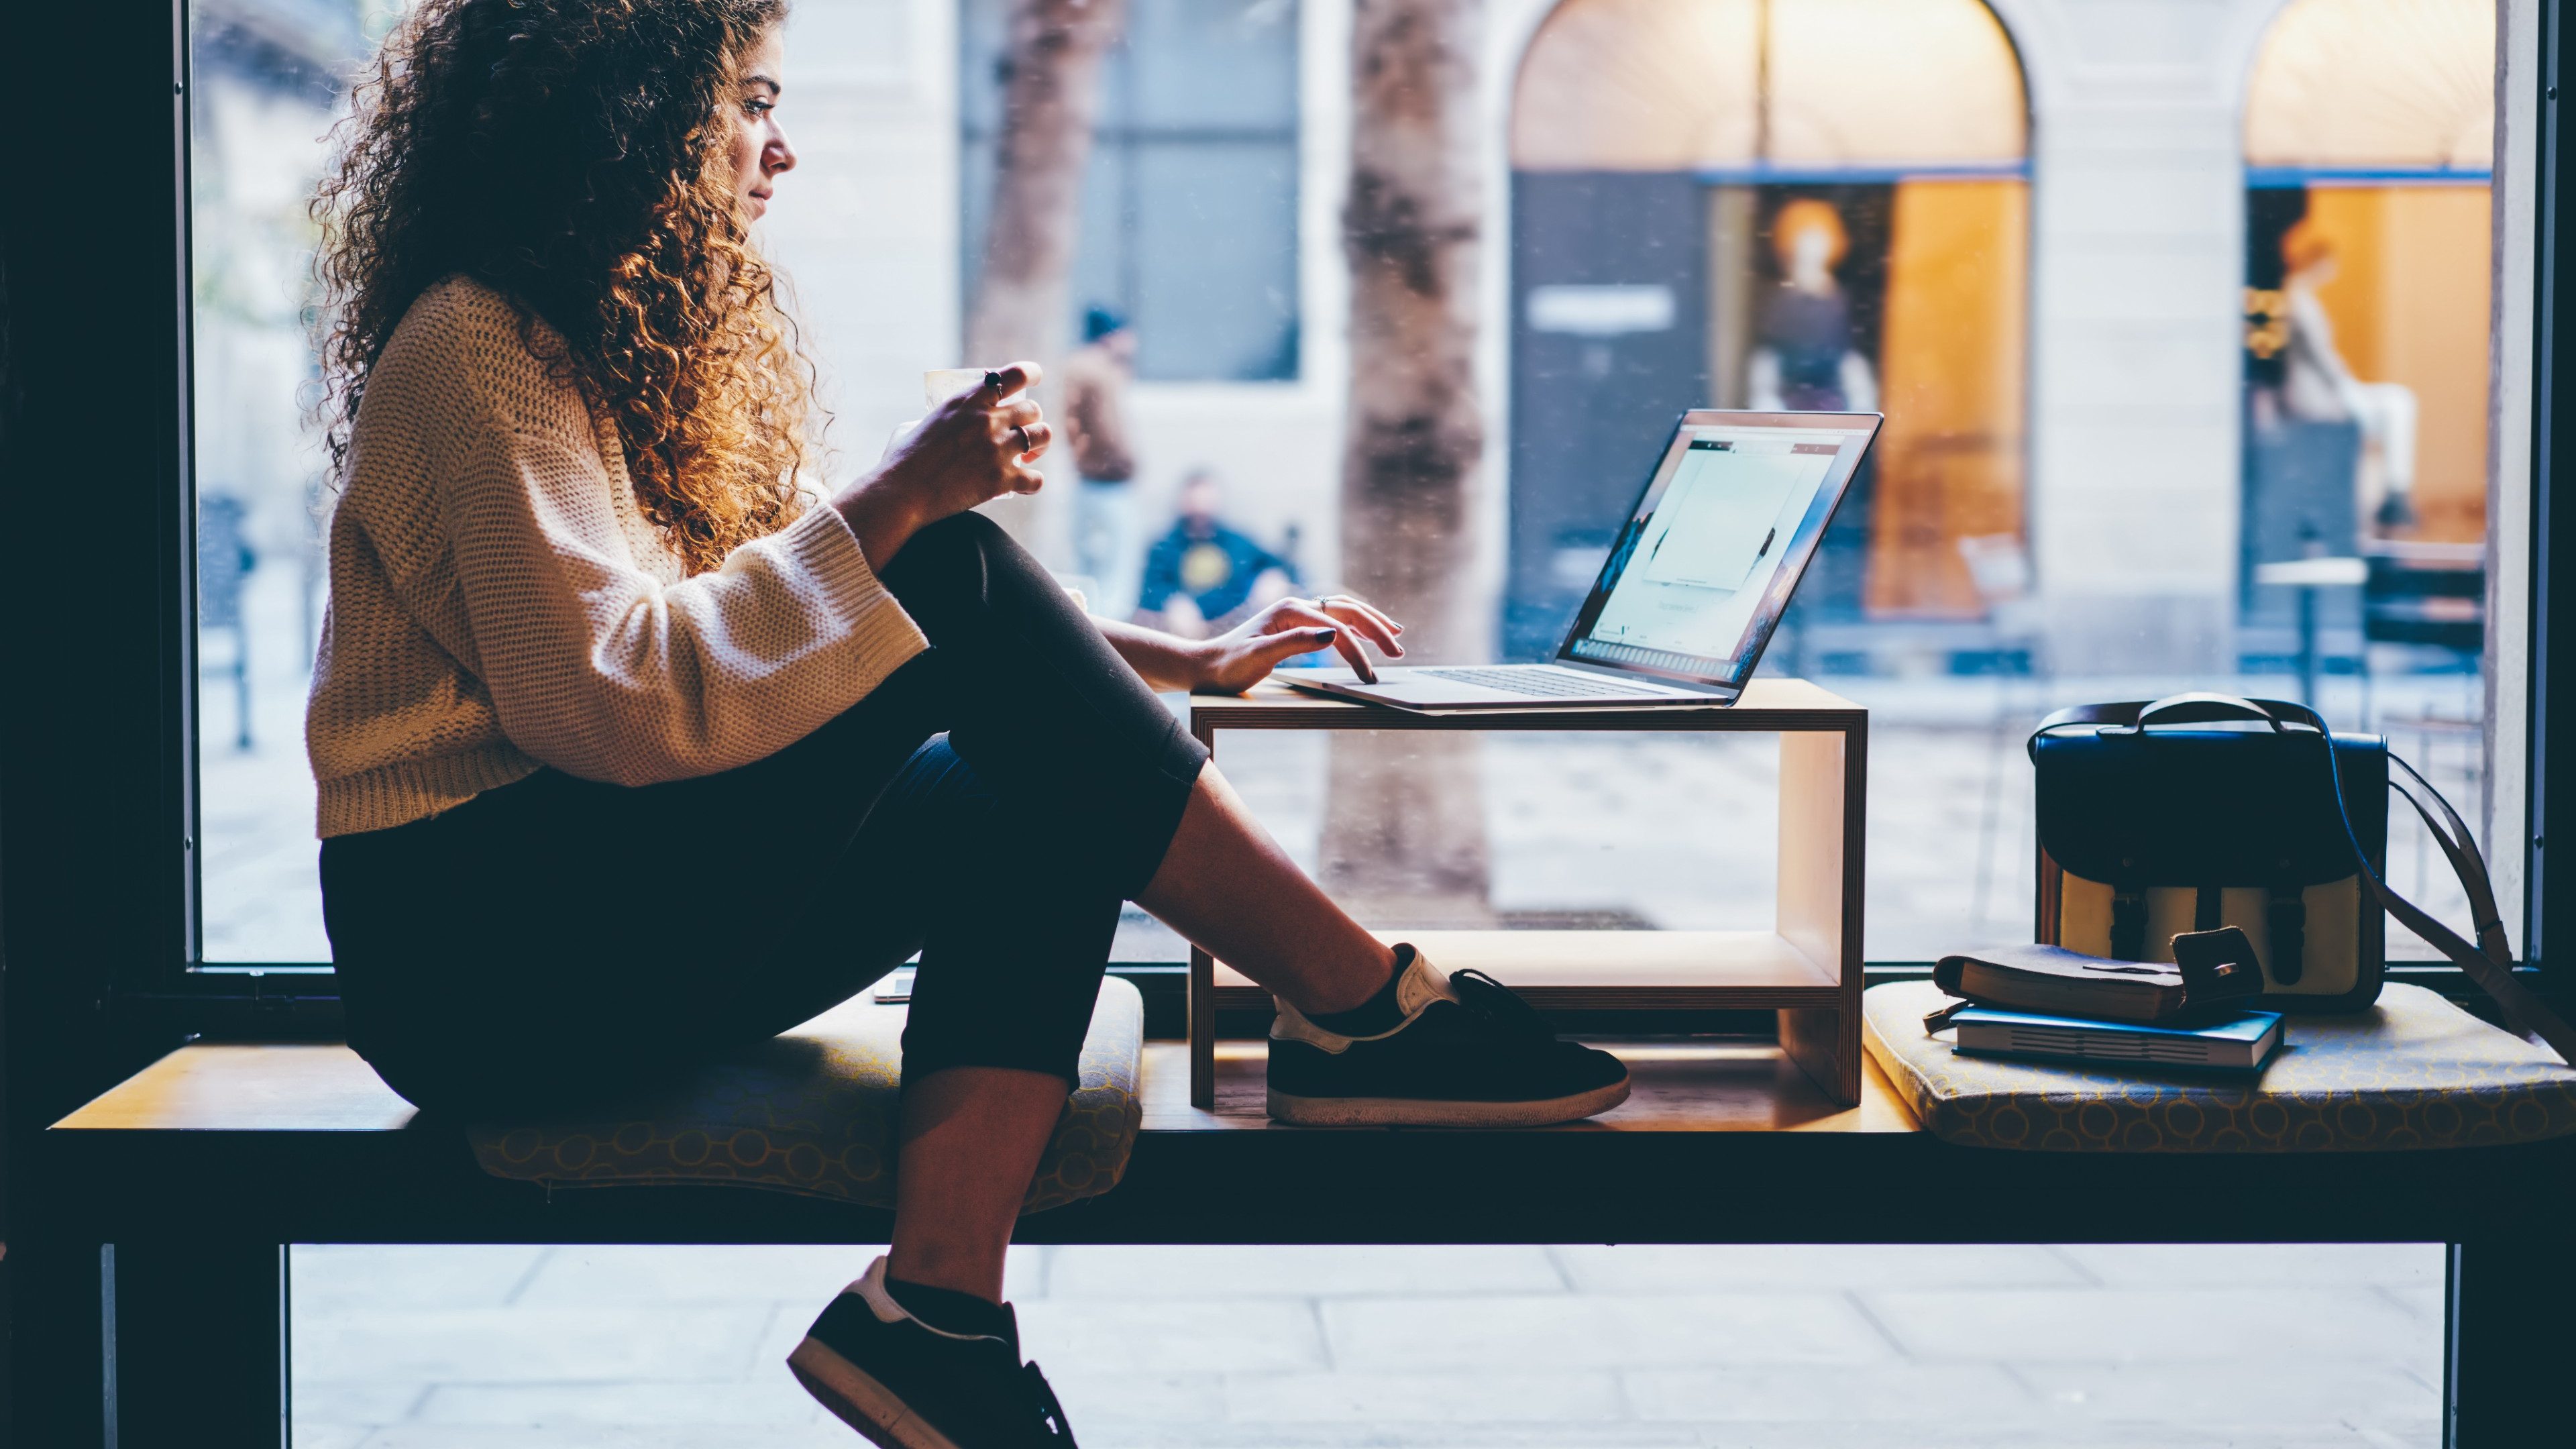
2190 707
2489 962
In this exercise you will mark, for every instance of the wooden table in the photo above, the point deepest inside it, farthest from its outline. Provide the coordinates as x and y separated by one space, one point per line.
1807 966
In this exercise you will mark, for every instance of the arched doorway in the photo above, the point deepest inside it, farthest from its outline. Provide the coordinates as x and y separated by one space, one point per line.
2369 138
1802 203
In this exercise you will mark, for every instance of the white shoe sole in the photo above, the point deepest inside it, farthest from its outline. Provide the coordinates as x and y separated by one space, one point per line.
859 1401
1434 1112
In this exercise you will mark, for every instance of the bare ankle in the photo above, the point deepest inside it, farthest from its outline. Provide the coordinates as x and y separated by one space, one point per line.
958 1272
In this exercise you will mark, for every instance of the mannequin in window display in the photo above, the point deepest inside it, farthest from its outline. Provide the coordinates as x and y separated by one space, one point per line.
1804 360
2318 386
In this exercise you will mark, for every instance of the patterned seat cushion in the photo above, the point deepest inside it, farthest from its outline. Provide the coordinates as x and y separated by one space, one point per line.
2412 1072
813 1112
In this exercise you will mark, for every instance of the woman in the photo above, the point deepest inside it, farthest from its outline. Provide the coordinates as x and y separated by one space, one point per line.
613 710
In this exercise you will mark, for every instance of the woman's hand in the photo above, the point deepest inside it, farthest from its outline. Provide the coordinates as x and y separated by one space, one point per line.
972 449
1244 655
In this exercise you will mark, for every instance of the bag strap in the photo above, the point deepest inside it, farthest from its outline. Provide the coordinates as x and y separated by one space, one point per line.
2489 962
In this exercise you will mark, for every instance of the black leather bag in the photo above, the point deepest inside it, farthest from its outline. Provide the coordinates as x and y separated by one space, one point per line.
2204 810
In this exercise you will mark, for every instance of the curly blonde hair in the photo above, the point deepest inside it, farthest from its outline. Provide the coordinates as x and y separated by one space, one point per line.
575 156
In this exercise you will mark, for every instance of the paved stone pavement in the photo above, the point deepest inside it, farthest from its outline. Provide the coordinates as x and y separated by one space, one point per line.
1413 1348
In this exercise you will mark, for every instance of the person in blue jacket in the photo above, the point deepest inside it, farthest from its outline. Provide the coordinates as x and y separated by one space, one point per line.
1201 577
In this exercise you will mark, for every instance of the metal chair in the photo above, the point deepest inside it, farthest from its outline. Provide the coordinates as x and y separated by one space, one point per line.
2430 598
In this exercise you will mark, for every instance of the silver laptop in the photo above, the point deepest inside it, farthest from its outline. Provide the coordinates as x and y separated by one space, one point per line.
1692 589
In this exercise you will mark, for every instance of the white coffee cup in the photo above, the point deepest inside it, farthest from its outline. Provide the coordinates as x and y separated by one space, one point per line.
940 384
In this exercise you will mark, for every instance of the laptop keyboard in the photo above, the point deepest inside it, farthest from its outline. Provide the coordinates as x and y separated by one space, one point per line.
1542 682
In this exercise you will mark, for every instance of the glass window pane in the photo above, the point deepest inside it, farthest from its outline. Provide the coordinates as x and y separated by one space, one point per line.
1188 212
2369 135
1215 246
1853 1346
2265 348
1211 65
266 82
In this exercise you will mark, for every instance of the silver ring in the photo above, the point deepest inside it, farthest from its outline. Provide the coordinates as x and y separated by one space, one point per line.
993 381
1023 431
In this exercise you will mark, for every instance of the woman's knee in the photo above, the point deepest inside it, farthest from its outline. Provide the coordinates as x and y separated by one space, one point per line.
940 568
958 539
967 562
952 559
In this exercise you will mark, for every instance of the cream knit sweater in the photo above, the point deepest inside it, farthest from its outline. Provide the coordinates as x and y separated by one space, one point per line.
499 602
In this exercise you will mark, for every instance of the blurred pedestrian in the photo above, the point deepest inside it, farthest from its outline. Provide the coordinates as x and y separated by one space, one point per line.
1096 379
225 559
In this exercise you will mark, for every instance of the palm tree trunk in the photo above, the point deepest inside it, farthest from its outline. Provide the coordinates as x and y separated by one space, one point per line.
1051 94
1404 836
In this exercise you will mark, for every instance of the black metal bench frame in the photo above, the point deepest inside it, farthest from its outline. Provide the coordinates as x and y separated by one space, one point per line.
156 1273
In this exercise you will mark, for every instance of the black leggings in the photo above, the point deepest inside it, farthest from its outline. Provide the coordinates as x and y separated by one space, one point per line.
558 939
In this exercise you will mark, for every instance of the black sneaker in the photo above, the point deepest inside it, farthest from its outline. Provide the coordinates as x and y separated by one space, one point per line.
907 1385
1467 1054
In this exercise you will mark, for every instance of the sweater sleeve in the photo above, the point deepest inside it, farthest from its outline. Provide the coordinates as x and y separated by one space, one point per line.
594 664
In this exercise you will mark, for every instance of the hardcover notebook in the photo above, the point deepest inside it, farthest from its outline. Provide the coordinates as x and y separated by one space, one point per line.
2210 969
2240 1043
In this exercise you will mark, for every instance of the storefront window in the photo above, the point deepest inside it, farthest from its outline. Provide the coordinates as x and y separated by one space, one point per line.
2369 144
2369 137
1794 204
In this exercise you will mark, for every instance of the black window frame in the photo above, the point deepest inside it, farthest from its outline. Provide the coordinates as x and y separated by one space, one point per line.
98 859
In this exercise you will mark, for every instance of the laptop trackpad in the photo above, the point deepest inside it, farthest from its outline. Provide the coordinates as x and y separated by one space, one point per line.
1414 686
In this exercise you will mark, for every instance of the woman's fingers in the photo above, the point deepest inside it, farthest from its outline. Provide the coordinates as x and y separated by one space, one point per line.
1023 413
1297 619
1348 629
1009 378
1371 625
1345 606
1345 639
1374 630
1274 649
1296 614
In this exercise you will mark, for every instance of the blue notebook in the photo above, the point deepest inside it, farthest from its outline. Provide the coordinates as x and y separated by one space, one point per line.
2240 1043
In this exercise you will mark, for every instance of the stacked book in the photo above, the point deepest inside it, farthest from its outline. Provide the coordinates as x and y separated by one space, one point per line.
2043 1001
2241 1043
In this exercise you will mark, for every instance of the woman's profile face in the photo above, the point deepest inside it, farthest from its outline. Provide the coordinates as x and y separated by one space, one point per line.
760 148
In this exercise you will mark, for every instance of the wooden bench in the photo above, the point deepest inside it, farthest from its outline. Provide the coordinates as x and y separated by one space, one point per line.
157 1248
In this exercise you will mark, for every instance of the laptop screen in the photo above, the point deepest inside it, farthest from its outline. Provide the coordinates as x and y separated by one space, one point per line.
1706 561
